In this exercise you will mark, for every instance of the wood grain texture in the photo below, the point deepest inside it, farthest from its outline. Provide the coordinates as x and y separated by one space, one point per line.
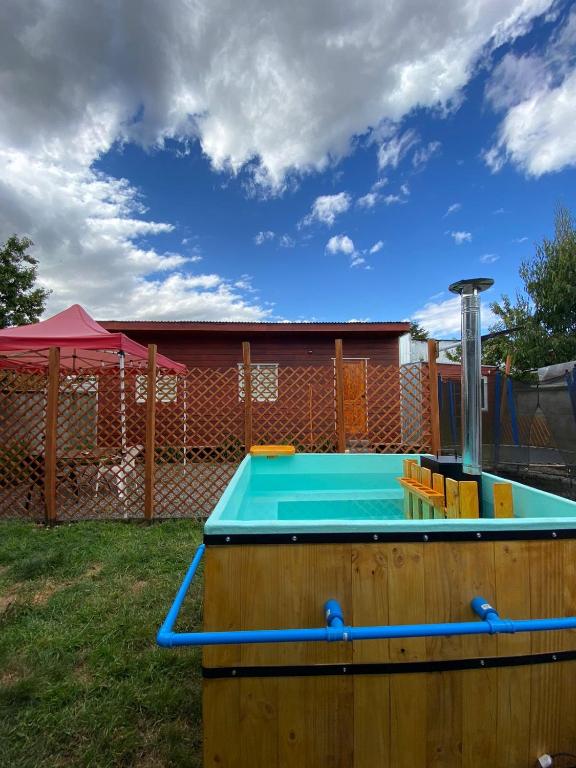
503 504
452 498
372 721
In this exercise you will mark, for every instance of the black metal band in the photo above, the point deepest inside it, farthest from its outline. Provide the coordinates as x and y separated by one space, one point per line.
388 668
379 537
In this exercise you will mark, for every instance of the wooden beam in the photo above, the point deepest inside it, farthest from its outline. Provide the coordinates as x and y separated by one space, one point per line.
503 502
149 458
435 443
469 502
340 426
247 369
51 437
438 486
452 498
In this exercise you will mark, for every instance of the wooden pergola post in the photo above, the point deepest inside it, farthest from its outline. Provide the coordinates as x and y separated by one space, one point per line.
435 443
339 373
247 372
149 463
51 436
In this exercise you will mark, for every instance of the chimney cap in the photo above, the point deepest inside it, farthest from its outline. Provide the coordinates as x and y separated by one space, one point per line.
474 283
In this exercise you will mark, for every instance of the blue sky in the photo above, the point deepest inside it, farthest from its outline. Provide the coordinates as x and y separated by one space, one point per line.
271 196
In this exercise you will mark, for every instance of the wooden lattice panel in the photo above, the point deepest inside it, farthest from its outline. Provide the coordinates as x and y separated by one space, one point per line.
199 440
22 437
295 406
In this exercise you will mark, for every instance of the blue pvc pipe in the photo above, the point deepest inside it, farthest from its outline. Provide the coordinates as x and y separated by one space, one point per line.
336 630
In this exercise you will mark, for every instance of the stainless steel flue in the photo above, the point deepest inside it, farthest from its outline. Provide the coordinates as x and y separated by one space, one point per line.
470 291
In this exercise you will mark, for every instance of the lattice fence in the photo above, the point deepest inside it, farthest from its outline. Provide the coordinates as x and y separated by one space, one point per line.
129 445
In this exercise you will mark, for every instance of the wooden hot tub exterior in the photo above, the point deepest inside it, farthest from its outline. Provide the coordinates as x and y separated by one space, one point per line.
412 703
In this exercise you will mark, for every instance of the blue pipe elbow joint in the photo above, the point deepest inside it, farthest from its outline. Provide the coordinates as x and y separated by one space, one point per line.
335 627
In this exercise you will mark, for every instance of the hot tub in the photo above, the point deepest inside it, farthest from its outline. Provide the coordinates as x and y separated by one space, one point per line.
290 533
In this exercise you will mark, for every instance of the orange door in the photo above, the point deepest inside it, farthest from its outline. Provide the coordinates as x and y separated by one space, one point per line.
355 396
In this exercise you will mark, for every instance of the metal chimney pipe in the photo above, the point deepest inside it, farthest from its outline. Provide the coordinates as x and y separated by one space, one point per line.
470 291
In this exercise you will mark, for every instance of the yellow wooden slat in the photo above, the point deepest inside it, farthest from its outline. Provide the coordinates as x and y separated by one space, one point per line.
407 467
438 486
469 506
423 493
503 503
426 477
452 498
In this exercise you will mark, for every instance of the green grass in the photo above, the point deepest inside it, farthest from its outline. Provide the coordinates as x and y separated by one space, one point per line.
82 682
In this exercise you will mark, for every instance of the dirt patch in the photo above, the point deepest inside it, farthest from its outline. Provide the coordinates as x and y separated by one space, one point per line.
8 599
138 586
9 677
92 572
43 595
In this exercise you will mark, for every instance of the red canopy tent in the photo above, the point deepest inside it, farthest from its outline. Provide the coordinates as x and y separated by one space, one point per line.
83 344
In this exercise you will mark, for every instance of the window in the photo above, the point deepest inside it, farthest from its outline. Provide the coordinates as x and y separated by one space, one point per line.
264 382
166 388
484 393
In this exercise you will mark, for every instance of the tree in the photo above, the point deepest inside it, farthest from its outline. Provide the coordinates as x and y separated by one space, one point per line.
542 319
418 333
21 301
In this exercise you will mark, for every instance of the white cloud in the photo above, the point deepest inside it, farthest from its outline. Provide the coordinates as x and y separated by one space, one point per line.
489 258
377 247
379 183
368 200
392 199
405 189
442 318
520 240
340 244
275 91
453 209
326 208
461 237
536 134
498 211
286 241
422 155
264 236
391 152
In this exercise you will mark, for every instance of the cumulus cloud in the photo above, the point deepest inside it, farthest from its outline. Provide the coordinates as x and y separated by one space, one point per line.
461 237
453 209
326 208
538 92
368 200
377 247
442 318
341 244
274 90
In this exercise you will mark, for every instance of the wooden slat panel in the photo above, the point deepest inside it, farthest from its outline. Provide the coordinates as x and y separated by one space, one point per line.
438 485
545 704
444 731
372 734
513 724
259 719
222 598
370 599
406 595
295 733
262 593
452 498
512 561
469 504
480 711
547 593
426 477
408 721
221 717
503 505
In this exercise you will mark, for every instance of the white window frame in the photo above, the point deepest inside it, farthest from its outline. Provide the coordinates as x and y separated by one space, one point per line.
166 388
265 391
484 394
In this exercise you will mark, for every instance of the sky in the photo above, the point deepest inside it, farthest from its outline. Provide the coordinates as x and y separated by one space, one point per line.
272 161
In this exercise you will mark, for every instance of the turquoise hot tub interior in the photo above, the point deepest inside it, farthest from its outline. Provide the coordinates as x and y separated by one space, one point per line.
321 493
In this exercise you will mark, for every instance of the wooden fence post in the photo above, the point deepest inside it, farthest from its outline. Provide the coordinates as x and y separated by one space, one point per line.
51 436
247 371
339 369
150 464
435 445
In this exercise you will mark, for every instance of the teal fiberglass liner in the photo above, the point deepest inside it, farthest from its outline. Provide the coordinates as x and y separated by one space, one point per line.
332 493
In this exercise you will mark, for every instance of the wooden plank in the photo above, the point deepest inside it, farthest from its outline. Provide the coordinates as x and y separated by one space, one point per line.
547 577
479 718
295 734
370 599
51 437
221 718
512 570
372 721
247 371
435 444
259 720
469 503
408 721
406 596
149 455
567 735
426 480
408 513
503 504
513 723
407 466
426 477
438 486
444 731
222 599
339 371
262 593
545 706
452 498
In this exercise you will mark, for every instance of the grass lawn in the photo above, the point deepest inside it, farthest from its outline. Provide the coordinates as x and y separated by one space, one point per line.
82 682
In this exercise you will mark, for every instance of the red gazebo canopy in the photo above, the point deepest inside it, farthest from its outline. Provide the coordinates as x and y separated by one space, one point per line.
83 344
